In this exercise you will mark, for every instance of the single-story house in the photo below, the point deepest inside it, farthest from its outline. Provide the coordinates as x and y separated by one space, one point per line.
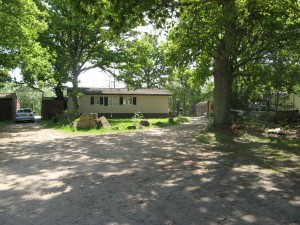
285 101
123 103
201 109
9 104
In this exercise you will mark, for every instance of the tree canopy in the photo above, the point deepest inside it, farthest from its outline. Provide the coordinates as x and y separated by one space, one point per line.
224 39
145 63
240 43
77 35
82 35
229 37
21 22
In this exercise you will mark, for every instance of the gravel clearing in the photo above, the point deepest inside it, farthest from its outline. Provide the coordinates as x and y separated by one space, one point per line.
155 176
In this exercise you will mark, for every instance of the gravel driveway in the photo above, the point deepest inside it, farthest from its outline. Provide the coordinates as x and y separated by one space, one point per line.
157 176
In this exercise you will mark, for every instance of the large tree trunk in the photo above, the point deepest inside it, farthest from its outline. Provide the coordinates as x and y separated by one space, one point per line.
75 92
223 67
59 92
222 92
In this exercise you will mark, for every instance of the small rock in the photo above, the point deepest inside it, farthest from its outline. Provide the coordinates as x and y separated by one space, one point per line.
145 123
132 127
102 122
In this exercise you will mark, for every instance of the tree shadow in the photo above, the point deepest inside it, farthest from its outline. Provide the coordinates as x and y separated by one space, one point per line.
159 176
13 129
266 152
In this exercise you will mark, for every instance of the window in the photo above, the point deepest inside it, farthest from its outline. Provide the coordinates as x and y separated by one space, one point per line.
112 100
97 100
127 100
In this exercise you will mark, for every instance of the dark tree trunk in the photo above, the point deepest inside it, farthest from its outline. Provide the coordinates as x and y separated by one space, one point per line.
223 67
59 92
222 92
75 92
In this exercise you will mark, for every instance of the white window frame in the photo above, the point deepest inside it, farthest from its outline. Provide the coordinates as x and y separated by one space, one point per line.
127 100
113 100
97 100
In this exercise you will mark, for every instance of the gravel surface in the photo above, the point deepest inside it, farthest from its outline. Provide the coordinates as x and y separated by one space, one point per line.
157 176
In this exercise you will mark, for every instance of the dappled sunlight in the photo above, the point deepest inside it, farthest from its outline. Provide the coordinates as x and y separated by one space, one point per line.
295 201
171 182
249 218
262 180
118 173
206 179
159 176
206 199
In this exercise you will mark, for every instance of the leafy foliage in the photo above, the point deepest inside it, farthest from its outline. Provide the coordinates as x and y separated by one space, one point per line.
236 38
21 22
145 64
78 38
28 96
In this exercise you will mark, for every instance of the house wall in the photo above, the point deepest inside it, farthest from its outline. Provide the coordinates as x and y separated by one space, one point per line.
201 109
286 101
144 104
8 108
297 102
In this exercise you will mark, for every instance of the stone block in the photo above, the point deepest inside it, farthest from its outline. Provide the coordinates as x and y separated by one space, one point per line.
102 122
87 121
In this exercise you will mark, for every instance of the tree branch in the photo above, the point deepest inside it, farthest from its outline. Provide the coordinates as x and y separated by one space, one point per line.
29 85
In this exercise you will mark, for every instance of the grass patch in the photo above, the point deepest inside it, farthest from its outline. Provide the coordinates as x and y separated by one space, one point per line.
5 123
116 125
279 154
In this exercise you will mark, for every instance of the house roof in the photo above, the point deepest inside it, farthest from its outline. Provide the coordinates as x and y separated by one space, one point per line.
123 91
8 95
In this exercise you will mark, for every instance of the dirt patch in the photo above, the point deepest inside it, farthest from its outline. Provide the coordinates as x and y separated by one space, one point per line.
33 132
157 176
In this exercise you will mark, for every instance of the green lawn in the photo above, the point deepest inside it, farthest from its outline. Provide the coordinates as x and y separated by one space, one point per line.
116 125
4 123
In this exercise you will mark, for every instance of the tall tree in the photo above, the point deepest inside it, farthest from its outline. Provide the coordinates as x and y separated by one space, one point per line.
185 90
82 35
233 33
78 38
278 71
145 64
21 22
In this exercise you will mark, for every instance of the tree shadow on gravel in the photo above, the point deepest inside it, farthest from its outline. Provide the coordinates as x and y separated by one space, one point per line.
278 154
161 176
13 129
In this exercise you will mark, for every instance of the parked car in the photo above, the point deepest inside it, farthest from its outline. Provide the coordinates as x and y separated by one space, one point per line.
24 114
237 112
260 108
262 112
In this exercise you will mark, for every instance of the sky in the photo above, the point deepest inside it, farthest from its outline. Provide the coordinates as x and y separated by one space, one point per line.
96 77
91 78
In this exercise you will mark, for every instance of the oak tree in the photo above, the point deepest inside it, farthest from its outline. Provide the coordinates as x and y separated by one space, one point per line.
21 22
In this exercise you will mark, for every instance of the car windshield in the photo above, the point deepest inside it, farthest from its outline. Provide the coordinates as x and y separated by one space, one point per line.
24 111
